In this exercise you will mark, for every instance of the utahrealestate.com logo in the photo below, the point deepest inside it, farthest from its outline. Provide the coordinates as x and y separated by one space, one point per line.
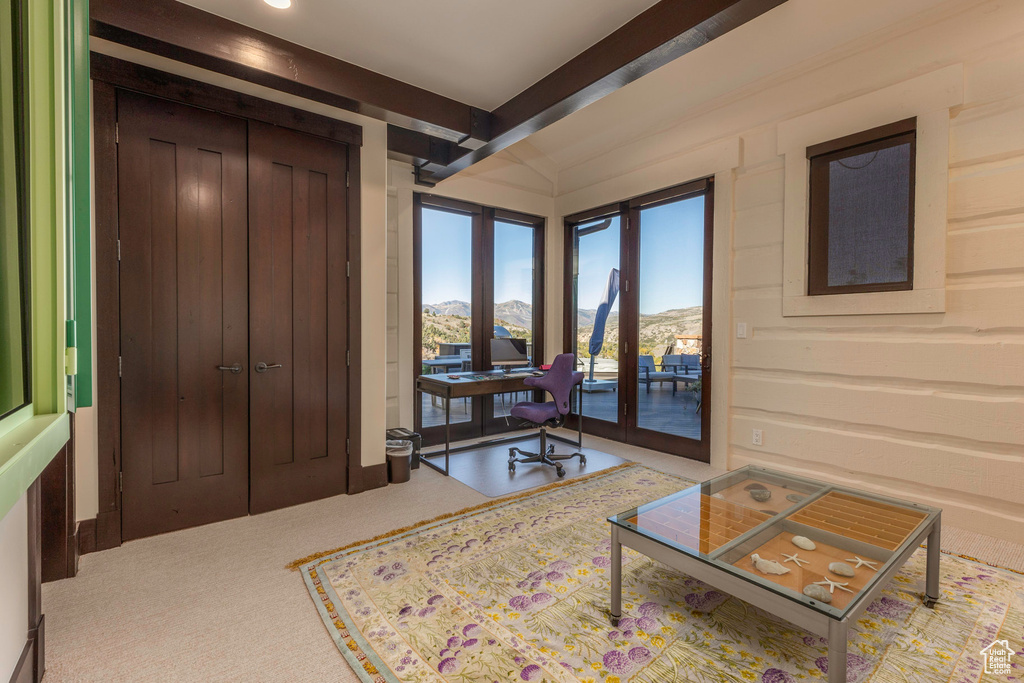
997 657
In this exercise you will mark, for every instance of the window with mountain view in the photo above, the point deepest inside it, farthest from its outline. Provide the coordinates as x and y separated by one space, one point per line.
479 276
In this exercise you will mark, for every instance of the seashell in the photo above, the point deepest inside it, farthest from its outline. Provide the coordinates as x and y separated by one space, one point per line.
803 543
817 592
841 568
719 496
795 497
760 495
768 566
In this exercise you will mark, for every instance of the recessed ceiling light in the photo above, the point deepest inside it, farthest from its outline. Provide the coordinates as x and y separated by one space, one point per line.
279 4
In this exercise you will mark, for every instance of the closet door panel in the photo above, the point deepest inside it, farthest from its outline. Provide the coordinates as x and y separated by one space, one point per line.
184 304
299 317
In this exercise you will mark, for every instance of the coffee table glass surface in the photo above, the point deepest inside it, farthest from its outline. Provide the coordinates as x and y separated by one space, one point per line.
850 539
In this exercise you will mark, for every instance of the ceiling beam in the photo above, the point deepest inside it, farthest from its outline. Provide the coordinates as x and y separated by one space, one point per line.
187 34
659 35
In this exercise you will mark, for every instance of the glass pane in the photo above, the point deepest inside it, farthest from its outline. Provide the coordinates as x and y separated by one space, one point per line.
13 393
513 295
799 526
597 317
868 213
671 317
447 296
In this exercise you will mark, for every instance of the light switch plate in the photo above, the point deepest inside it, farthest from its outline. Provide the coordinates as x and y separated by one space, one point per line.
741 330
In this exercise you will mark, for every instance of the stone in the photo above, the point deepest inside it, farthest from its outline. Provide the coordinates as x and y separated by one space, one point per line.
803 543
768 566
841 569
760 495
755 485
795 497
816 592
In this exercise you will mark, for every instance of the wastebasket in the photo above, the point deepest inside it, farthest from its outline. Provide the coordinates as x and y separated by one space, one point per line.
399 461
403 434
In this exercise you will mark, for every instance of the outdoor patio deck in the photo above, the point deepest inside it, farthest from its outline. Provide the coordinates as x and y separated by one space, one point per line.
659 410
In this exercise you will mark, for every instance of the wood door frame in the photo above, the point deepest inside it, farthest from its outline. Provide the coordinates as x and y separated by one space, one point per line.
109 75
482 306
625 429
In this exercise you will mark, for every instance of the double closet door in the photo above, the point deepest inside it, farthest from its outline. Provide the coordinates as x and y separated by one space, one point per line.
233 316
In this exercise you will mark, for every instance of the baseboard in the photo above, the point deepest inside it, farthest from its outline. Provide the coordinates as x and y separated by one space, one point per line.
108 530
366 478
86 536
32 663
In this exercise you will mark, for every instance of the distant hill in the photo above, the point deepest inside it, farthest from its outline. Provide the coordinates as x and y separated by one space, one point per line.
514 312
449 321
449 308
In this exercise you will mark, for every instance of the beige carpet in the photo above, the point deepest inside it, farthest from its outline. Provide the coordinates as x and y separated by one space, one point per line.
216 603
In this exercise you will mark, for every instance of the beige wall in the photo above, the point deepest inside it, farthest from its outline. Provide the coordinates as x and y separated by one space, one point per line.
928 406
14 579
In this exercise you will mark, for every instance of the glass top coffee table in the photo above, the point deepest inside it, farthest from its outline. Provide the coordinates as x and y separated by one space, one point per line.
812 553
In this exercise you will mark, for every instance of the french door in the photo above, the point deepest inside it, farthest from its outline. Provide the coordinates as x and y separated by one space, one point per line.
478 274
638 283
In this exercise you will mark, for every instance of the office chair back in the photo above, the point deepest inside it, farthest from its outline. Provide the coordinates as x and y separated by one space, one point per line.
558 381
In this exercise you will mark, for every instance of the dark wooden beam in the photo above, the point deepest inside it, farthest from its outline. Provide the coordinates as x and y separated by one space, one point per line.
187 34
659 35
180 89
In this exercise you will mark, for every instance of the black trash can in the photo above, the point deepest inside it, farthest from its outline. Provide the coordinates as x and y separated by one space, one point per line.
402 434
399 461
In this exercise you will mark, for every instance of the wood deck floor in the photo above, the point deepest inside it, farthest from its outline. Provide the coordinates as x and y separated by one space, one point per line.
659 410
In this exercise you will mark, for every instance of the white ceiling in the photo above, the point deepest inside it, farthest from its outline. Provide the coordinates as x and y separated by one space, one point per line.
481 52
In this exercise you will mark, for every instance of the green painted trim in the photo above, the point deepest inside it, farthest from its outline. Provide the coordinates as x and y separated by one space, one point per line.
25 452
45 159
79 192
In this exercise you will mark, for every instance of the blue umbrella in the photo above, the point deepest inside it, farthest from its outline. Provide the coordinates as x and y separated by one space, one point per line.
601 317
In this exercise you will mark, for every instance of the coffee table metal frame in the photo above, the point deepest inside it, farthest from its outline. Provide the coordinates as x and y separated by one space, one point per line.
808 614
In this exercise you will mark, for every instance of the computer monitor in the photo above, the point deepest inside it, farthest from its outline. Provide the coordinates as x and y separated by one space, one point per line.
509 352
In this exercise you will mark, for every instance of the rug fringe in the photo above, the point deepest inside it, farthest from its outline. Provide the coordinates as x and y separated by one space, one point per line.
984 562
294 566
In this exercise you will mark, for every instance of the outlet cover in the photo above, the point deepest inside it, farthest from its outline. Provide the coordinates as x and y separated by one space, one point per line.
758 437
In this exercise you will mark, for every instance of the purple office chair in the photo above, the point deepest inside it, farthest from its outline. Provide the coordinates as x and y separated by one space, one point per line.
558 382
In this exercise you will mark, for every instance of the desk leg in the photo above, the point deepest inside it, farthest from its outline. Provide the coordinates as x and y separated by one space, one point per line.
447 432
838 632
579 417
616 577
931 593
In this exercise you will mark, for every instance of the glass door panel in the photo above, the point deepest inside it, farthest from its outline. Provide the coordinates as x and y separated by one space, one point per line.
514 245
670 323
446 293
598 245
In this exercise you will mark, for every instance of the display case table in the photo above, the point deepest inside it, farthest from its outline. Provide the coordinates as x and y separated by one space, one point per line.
711 531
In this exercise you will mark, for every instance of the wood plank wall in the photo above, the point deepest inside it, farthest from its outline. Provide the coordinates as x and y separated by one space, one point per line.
930 407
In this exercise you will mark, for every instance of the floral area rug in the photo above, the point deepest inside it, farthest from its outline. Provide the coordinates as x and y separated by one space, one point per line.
518 590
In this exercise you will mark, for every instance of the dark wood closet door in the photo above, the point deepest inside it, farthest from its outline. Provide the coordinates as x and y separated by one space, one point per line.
298 315
183 285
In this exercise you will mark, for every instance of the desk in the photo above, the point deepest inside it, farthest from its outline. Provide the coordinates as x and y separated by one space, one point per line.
469 384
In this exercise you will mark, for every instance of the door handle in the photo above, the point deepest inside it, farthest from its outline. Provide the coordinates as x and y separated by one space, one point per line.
263 367
233 369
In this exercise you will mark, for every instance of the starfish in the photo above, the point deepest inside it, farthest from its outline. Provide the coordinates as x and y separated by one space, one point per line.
832 585
795 558
870 564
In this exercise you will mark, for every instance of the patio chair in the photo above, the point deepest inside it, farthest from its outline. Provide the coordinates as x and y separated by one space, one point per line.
689 364
648 373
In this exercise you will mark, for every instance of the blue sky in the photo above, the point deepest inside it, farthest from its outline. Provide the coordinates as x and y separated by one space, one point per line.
447 259
671 258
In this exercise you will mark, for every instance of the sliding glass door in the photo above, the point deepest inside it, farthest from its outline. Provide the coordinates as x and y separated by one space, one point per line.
478 275
639 276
